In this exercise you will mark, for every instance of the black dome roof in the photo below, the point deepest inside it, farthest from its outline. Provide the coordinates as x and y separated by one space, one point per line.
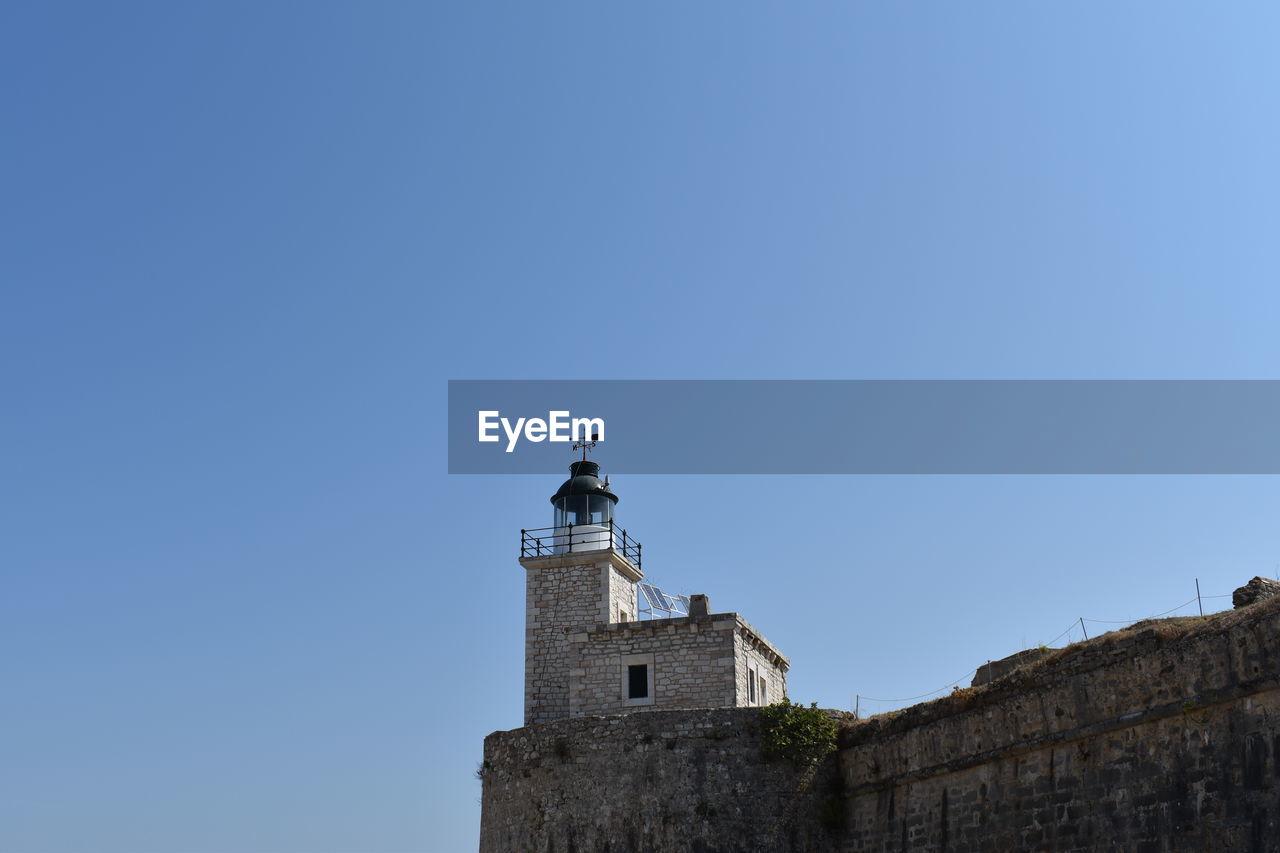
584 479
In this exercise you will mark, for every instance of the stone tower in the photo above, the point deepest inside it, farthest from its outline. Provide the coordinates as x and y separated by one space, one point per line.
581 571
587 649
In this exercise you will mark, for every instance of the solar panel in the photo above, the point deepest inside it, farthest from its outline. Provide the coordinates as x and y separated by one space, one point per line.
652 595
656 599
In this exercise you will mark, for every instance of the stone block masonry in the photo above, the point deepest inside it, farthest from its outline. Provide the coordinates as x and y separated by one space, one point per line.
690 781
1161 738
696 661
562 590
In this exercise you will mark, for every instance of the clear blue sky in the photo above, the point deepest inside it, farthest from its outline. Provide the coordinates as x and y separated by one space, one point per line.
246 244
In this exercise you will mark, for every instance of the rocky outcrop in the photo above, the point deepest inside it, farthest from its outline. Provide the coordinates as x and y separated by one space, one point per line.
993 669
1258 589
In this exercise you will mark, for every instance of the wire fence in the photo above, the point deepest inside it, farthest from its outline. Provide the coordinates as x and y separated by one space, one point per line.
870 705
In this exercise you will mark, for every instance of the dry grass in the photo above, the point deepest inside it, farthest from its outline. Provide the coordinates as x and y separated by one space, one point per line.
1146 635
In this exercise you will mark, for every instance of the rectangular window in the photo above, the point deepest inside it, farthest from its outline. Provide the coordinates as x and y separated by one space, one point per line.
622 616
764 691
751 687
638 681
638 685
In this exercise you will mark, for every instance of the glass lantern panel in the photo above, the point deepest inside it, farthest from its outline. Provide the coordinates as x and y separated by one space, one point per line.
601 510
583 509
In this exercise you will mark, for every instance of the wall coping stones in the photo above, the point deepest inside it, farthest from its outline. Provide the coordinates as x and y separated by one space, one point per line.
716 621
625 567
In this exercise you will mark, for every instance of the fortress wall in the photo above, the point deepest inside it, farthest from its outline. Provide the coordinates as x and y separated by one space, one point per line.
690 781
1162 738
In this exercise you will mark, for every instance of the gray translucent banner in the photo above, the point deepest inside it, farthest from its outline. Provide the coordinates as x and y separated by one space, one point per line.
875 427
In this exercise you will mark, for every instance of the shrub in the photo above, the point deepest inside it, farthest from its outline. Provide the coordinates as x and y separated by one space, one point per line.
799 734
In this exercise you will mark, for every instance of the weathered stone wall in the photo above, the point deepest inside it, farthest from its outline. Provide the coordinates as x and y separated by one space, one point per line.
692 664
562 591
995 669
1258 589
1164 737
651 781
622 605
697 662
755 658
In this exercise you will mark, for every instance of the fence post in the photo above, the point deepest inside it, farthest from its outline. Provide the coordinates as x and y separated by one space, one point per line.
1198 601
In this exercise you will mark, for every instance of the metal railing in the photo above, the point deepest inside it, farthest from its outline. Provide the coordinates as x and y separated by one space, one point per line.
575 538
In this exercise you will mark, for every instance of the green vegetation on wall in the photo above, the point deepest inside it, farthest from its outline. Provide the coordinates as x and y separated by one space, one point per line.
799 734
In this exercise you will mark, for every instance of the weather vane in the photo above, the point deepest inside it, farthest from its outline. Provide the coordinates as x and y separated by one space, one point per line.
584 445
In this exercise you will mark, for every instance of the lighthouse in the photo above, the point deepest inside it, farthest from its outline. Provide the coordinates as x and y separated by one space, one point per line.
583 509
588 649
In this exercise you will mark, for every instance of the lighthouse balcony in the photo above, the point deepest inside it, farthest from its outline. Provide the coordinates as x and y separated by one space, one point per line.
579 538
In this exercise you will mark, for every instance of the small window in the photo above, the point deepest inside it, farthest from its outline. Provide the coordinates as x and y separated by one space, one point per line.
751 686
638 681
622 616
764 691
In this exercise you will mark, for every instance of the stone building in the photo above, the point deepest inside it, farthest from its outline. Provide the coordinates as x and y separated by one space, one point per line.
1163 737
587 650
